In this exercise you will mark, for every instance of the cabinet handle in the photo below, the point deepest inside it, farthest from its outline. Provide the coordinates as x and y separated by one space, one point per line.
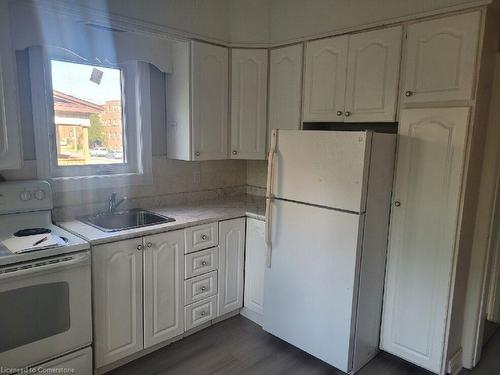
204 237
347 113
203 288
149 244
204 263
397 203
197 153
340 113
235 152
139 247
409 93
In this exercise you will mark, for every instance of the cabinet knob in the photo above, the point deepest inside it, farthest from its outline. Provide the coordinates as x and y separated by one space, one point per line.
340 113
203 313
139 247
197 153
235 152
347 113
397 203
409 93
149 244
204 263
203 288
204 237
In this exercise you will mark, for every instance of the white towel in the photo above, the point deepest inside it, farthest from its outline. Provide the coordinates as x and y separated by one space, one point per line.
27 243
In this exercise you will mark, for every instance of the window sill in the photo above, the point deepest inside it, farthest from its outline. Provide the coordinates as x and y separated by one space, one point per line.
60 184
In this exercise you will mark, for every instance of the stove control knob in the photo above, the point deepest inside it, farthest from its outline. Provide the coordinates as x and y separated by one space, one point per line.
25 195
40 195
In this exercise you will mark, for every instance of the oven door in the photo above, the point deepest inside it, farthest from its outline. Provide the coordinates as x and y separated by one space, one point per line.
45 309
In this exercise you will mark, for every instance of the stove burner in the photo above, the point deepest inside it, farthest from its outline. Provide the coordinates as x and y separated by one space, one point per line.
31 232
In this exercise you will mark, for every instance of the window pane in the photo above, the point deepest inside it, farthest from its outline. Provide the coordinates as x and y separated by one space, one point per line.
88 114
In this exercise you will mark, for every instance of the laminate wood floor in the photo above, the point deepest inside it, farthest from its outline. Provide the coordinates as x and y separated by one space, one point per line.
239 346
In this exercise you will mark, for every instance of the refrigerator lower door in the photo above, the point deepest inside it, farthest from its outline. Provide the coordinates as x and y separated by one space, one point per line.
310 287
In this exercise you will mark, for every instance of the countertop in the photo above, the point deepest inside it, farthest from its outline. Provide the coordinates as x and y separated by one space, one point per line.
184 215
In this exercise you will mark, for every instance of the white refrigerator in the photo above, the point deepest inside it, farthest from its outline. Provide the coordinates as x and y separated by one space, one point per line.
328 204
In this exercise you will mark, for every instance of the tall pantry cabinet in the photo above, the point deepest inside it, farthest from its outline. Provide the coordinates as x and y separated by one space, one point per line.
436 116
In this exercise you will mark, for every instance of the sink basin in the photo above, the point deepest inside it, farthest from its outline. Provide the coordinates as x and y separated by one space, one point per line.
121 220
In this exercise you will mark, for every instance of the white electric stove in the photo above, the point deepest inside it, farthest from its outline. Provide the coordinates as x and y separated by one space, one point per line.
45 285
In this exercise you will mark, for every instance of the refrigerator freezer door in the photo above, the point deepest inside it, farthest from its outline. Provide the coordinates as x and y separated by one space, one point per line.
324 168
309 296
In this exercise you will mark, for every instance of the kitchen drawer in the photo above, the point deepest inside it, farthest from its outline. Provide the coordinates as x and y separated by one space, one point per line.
200 312
201 237
201 262
200 287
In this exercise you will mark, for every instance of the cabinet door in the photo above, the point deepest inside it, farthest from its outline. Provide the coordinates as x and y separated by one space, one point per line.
441 58
372 75
248 103
422 234
255 266
231 261
163 287
285 88
210 96
117 274
10 140
325 79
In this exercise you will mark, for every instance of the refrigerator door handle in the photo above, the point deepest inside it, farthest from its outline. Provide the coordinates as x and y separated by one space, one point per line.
269 194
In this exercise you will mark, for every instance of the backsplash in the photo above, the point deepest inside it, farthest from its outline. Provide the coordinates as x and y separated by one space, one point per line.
256 173
174 182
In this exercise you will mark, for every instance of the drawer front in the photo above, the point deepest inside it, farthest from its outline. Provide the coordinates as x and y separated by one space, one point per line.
200 312
200 287
201 262
201 237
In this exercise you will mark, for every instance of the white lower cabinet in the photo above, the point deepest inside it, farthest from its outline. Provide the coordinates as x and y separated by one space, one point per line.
255 266
147 290
163 287
123 271
117 279
231 262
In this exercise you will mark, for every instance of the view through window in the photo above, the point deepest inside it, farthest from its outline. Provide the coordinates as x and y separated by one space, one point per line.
88 114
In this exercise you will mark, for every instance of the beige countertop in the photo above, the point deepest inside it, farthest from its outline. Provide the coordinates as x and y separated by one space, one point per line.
184 215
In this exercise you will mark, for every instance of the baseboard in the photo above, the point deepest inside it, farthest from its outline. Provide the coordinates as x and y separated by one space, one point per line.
455 364
251 315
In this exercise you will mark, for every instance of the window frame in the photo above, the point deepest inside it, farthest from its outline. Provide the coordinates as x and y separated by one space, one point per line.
136 117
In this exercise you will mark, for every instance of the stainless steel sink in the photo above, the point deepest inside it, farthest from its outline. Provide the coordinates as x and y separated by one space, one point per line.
121 220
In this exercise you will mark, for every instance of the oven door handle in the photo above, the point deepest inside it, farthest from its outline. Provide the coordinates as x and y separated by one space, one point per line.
59 263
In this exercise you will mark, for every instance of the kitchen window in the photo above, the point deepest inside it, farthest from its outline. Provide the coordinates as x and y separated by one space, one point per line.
92 121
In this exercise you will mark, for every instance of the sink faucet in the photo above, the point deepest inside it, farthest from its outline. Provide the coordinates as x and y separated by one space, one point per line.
113 203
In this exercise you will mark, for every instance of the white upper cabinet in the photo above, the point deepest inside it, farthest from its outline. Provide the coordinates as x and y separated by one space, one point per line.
248 103
10 139
325 79
231 263
431 150
210 96
163 287
441 59
373 75
197 102
285 88
353 78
